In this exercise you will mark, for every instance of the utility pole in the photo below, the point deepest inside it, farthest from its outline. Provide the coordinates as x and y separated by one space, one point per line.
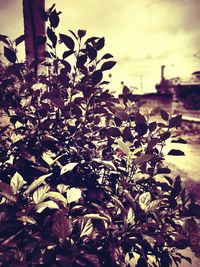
34 26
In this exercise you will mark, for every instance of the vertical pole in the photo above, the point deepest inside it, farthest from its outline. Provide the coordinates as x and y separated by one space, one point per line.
34 26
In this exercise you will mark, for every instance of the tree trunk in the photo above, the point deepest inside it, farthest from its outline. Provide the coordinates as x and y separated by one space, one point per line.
34 26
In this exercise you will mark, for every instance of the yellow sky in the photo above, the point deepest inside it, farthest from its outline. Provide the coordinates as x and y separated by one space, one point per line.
141 34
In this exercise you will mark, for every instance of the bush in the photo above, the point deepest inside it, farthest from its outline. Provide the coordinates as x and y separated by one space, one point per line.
82 176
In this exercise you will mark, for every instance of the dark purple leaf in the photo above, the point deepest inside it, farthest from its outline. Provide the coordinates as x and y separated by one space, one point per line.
100 43
187 259
51 8
164 170
107 56
91 40
66 64
165 136
152 126
67 54
92 53
81 33
47 54
127 135
125 90
10 54
118 121
91 260
114 132
81 60
164 115
52 36
177 187
141 128
73 33
40 40
20 39
175 121
3 38
153 142
58 102
97 76
67 40
140 119
62 226
54 19
108 65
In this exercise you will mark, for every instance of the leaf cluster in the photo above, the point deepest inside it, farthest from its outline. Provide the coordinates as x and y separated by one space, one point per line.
83 181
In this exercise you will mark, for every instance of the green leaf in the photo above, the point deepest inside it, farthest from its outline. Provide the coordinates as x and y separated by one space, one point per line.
130 216
10 54
153 205
7 192
86 227
62 188
41 194
67 40
73 194
106 163
144 200
47 204
37 183
17 182
10 197
142 159
62 226
57 197
95 216
108 65
119 204
68 167
124 147
27 219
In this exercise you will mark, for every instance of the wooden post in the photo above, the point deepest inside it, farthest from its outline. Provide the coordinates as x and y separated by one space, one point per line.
34 26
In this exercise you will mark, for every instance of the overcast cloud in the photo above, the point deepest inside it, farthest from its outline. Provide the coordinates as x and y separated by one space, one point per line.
142 35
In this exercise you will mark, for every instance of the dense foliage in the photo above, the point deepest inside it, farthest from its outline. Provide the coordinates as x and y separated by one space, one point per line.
82 176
